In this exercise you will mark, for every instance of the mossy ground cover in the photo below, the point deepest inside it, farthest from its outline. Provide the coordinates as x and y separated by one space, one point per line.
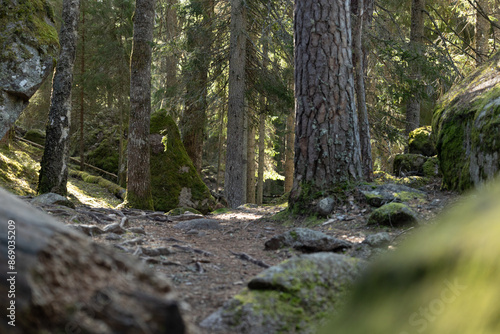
19 166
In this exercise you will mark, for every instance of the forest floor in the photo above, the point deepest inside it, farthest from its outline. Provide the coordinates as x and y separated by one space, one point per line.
206 267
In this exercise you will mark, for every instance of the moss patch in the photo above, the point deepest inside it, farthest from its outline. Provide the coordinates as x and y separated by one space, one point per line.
420 141
19 168
393 214
466 125
174 179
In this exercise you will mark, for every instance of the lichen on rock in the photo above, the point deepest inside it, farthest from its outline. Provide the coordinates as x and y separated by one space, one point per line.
292 297
28 49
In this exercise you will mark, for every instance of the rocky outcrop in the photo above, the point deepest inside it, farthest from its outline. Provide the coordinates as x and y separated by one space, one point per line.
466 124
441 280
378 195
291 297
174 180
28 51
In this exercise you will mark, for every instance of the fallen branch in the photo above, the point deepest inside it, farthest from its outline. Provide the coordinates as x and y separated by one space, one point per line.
248 258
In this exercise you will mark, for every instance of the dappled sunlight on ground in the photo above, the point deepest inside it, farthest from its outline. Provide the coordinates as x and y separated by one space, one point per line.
91 194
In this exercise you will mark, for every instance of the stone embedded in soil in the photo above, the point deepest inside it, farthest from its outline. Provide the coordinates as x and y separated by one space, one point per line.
379 195
52 199
199 224
293 296
394 215
378 240
307 240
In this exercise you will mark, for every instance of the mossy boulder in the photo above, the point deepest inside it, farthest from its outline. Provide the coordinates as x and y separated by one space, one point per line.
36 136
394 215
378 195
174 179
431 167
466 124
28 51
409 164
292 297
420 141
444 279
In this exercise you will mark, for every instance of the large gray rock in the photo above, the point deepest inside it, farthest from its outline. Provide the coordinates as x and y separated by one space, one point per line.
466 123
307 240
28 51
292 297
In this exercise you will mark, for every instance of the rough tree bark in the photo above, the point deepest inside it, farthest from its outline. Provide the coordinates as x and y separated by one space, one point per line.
138 173
54 165
235 175
416 45
327 147
482 31
362 17
63 282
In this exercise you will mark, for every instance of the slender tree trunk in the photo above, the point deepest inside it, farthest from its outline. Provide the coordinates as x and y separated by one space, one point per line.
416 45
262 149
138 173
220 147
289 148
54 165
482 31
359 69
235 175
251 158
327 147
82 93
169 61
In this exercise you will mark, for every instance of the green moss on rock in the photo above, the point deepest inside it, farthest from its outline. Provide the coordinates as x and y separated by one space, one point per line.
36 136
409 164
393 214
292 297
174 179
466 123
420 141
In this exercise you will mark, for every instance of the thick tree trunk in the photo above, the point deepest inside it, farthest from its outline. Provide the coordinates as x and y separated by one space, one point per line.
359 21
54 165
327 147
235 175
416 45
290 141
261 163
54 280
138 173
482 31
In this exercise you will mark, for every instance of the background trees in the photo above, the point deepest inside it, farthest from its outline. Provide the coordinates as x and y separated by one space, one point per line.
190 75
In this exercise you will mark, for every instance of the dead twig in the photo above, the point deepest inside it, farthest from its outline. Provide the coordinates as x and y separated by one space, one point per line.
248 258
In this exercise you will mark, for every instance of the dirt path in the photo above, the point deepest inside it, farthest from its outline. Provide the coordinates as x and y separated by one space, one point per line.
204 265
